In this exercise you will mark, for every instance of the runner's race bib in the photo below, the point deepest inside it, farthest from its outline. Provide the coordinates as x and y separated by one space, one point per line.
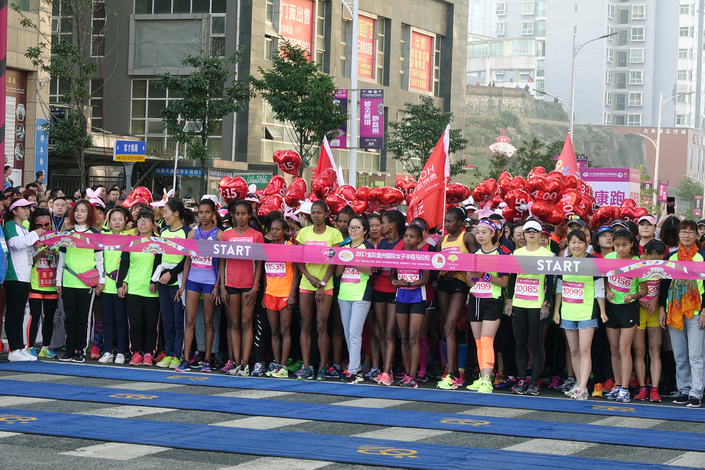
275 269
620 284
482 289
573 292
527 289
350 275
410 275
653 289
202 262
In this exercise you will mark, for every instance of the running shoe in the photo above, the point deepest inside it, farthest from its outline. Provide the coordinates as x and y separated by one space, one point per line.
293 366
195 359
334 372
633 381
608 384
280 372
623 396
405 378
244 371
372 374
475 386
485 386
555 382
271 369
681 400
147 360
642 395
461 377
321 374
597 391
105 358
79 357
230 365
206 366
385 379
422 375
175 362
411 383
95 352
120 359
508 382
257 370
159 357
569 393
579 394
306 373
498 378
351 378
67 356
165 363
33 352
27 354
613 393
185 366
654 396
47 353
447 383
521 387
567 385
235 370
18 356
532 389
693 402
378 377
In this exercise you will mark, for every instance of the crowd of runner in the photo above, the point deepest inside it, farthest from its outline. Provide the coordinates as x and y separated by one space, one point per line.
588 337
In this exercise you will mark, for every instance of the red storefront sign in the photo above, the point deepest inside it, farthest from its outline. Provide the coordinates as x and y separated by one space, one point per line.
297 23
365 47
420 68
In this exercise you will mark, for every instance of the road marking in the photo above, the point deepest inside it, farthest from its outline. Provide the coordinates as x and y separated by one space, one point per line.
126 411
550 446
10 401
8 434
142 386
496 412
261 422
267 463
253 394
372 403
623 422
689 459
115 451
402 434
36 377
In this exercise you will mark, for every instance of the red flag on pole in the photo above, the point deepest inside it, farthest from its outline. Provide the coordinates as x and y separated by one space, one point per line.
567 164
428 200
325 161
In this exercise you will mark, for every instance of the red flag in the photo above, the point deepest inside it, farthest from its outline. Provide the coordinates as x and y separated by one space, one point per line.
567 164
325 161
428 200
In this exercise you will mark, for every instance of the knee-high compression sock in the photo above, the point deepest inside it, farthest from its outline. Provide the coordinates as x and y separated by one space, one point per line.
462 355
423 356
487 361
480 352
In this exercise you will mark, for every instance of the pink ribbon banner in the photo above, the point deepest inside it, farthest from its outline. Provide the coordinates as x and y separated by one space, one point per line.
381 258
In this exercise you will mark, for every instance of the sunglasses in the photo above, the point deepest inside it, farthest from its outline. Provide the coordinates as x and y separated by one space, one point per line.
47 224
604 229
531 230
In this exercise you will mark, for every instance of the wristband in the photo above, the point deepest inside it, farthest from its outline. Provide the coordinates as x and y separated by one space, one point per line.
474 279
487 277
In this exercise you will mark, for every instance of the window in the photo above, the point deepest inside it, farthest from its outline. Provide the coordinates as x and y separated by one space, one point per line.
345 29
685 10
269 47
623 38
437 66
682 53
23 5
682 75
608 119
320 36
61 26
621 102
610 11
636 56
541 8
680 119
685 31
638 33
269 17
527 8
610 54
623 16
96 104
499 28
148 7
683 98
608 98
527 27
621 81
690 158
634 120
576 7
405 32
622 59
608 76
635 99
541 28
540 68
382 79
620 120
217 36
636 77
98 30
500 9
638 12
610 30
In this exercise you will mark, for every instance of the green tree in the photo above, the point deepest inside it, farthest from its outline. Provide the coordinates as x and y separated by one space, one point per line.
209 94
685 194
412 139
498 164
532 154
302 97
66 58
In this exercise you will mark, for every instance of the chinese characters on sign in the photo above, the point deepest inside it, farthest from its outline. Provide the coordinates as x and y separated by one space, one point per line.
341 140
15 122
371 119
296 23
365 47
179 171
130 151
698 210
420 61
613 185
662 191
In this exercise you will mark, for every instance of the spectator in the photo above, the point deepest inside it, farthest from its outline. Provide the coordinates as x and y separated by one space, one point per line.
30 195
8 181
40 183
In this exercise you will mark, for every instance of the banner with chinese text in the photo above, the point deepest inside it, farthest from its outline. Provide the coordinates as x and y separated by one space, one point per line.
698 210
371 119
365 47
341 140
613 185
296 25
420 62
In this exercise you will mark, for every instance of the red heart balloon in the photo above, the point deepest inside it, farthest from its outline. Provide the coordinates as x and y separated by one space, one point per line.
363 192
372 207
556 175
272 203
386 197
584 187
232 188
544 189
628 213
504 181
128 202
515 198
325 183
335 203
456 193
547 212
536 171
276 185
640 212
496 201
406 186
512 215
347 191
483 192
570 203
517 183
288 161
312 197
144 193
570 182
605 215
296 192
359 206
587 203
628 202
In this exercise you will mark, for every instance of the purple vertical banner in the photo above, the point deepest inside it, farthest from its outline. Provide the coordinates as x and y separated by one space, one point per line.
371 119
340 141
662 191
698 210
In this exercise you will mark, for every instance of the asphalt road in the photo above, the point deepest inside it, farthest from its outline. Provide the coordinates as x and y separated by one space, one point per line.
22 450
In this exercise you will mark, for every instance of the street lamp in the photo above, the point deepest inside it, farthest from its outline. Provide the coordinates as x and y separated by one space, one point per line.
572 79
553 96
353 8
658 138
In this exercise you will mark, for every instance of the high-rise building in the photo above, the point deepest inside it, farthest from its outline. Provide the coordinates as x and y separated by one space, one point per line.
481 17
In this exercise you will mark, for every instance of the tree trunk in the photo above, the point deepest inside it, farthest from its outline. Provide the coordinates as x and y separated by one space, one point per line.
83 178
204 180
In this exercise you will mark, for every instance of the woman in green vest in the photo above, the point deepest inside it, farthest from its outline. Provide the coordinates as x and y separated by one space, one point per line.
140 293
79 275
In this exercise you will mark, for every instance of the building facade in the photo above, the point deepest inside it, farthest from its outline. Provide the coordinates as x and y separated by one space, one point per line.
481 17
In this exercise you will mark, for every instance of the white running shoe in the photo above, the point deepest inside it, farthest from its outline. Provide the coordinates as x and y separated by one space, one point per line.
105 358
31 356
17 356
120 359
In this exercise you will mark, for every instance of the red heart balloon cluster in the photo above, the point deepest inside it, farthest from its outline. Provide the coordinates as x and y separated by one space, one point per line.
325 183
346 191
457 192
276 185
386 197
406 187
504 181
296 192
144 193
335 203
271 203
484 192
231 188
288 161
547 212
544 188
605 215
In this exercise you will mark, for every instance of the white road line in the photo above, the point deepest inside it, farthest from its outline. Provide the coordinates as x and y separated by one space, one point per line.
36 377
492 412
624 422
372 403
115 451
9 401
142 386
267 463
253 394
126 411
689 459
261 422
551 446
8 434
402 434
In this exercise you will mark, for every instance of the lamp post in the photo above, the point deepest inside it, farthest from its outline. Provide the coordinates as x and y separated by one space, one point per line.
572 79
353 8
553 96
658 139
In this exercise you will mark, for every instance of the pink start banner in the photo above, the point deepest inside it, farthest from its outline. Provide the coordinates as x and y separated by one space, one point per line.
381 258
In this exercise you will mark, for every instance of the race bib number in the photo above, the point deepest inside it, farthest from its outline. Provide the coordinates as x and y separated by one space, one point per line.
408 275
482 289
620 284
202 262
653 289
350 275
275 269
242 240
573 292
527 289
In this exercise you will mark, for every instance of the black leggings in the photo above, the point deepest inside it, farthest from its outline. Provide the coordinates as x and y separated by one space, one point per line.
526 323
16 293
143 317
507 345
77 305
35 310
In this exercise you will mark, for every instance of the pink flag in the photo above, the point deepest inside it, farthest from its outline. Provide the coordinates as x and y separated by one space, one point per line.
567 164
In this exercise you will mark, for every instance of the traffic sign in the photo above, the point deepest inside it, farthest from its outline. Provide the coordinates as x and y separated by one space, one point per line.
129 151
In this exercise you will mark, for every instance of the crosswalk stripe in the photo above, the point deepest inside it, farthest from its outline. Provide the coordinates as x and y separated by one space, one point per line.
402 434
35 377
267 463
4 434
10 402
550 446
142 386
689 459
254 394
624 422
115 451
261 422
371 403
126 411
492 412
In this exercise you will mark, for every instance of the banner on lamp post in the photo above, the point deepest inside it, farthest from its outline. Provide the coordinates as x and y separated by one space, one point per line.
662 190
371 119
341 140
698 210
